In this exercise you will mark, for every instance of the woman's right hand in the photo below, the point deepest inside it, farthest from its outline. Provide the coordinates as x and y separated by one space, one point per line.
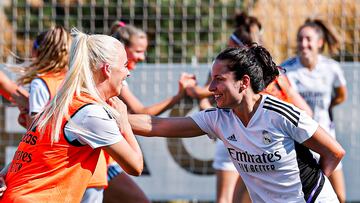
121 108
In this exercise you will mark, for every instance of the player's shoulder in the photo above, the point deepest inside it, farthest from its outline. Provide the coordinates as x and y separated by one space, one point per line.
94 110
282 109
289 62
329 63
328 60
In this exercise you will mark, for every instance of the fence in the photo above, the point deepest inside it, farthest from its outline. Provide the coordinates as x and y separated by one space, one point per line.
183 34
183 166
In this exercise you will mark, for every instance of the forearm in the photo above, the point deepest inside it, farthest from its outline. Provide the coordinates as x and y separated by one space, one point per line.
173 127
130 139
136 107
337 101
328 164
157 109
202 92
141 124
329 149
7 88
340 96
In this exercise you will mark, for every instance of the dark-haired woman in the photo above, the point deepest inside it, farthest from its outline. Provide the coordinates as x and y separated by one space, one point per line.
229 186
319 80
266 138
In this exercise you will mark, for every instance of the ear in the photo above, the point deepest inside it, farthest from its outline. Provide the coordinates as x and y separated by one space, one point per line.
106 70
244 83
320 43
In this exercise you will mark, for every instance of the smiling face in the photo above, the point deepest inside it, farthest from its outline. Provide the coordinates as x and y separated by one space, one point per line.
136 50
225 87
119 73
308 44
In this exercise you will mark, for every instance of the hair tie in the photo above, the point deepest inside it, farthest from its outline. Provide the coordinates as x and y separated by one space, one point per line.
236 40
122 24
36 45
281 69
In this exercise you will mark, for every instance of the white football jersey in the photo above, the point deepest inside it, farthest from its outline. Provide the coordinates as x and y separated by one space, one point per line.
316 86
266 152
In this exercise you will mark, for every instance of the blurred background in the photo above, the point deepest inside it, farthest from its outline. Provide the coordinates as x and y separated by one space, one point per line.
186 36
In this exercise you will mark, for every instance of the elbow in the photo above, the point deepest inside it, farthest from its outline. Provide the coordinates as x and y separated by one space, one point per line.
340 153
136 171
137 168
309 112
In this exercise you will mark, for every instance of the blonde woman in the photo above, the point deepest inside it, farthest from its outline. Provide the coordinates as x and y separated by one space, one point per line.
58 155
121 187
46 72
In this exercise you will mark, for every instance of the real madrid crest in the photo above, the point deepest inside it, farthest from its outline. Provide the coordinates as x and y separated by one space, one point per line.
266 137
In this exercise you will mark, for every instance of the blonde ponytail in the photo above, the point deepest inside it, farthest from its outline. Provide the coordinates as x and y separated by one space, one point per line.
87 53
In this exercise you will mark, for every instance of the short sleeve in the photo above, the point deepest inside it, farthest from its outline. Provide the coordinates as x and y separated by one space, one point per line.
206 121
39 96
304 129
339 79
92 125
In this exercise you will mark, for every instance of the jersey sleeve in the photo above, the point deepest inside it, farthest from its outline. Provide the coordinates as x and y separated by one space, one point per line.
339 79
93 126
206 121
304 129
39 95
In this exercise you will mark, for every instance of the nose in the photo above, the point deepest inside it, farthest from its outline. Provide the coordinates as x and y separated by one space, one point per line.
302 42
212 86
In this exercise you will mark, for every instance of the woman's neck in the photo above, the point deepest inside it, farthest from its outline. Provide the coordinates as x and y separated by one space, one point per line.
247 108
103 91
309 63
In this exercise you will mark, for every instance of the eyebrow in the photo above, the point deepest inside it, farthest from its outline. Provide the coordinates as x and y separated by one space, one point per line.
217 75
126 63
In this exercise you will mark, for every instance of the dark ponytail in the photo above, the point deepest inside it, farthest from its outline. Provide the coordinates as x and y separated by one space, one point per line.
269 68
254 61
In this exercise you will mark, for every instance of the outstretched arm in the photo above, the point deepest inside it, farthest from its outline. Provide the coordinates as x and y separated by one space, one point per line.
135 106
173 127
329 149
